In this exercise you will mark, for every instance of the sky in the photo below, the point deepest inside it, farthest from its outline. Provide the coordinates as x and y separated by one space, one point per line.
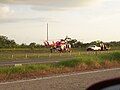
26 21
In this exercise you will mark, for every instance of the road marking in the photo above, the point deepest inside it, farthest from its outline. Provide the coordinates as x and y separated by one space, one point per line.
65 75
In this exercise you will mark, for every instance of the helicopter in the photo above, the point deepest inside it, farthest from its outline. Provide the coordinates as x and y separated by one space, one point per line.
59 46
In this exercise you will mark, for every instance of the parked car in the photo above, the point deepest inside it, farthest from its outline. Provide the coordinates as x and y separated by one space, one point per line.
93 48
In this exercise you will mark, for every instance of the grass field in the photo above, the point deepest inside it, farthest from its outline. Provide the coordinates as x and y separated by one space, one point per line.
43 53
79 61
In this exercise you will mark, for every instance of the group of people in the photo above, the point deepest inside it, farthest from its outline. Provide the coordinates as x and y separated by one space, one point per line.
103 47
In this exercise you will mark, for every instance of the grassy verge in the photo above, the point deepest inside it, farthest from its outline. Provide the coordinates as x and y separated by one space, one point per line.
79 63
28 56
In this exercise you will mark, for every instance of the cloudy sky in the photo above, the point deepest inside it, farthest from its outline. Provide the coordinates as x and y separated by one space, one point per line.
86 20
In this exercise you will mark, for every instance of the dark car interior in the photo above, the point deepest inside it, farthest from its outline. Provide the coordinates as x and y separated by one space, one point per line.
112 84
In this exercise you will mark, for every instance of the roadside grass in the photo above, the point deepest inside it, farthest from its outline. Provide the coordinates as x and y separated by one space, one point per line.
29 56
36 54
24 68
110 56
24 50
70 63
88 60
79 62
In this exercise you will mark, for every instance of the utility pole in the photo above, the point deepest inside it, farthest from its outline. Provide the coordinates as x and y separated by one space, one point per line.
47 31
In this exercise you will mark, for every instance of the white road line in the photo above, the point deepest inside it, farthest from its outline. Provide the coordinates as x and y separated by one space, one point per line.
65 75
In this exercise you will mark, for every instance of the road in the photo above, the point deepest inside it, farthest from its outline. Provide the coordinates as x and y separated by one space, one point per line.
30 61
75 81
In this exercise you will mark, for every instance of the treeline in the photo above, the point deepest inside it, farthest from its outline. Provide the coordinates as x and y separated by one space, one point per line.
76 44
7 43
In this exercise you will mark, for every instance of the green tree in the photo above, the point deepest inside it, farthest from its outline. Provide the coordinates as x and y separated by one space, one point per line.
72 42
23 45
78 44
6 43
32 45
96 43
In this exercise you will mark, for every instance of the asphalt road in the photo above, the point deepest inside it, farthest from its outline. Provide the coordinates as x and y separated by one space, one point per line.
75 81
30 61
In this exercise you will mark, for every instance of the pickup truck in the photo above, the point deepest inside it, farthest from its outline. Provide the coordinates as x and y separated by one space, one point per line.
93 48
